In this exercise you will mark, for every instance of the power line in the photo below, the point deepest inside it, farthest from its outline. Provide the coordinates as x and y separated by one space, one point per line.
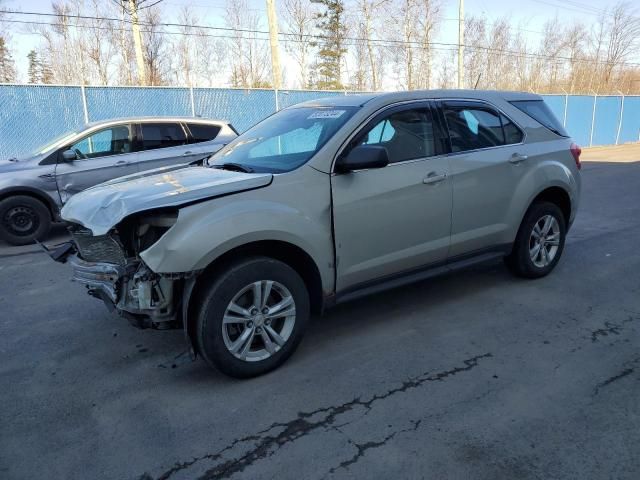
351 41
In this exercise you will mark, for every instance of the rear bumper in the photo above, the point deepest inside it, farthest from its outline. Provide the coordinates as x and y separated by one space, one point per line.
102 279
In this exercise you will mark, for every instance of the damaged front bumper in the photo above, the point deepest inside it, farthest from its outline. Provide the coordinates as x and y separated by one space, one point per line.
135 292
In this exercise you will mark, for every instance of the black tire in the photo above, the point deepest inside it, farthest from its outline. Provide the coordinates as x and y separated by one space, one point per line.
23 220
215 299
520 261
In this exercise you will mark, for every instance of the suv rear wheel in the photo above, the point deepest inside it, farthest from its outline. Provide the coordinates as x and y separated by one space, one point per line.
539 242
252 317
23 220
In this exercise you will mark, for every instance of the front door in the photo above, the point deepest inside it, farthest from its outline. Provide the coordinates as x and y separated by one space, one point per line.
102 155
394 219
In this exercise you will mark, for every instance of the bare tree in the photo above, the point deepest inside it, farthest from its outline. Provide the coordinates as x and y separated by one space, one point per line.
134 9
298 17
249 54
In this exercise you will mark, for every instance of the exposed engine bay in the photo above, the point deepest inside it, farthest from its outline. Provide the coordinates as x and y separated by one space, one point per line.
111 269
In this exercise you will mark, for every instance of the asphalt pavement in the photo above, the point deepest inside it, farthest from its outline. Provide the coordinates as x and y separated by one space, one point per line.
474 375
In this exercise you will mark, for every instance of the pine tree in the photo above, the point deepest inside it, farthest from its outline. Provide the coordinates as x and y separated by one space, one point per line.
35 67
7 70
331 25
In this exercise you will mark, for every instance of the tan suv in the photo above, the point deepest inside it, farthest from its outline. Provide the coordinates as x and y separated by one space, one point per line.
321 203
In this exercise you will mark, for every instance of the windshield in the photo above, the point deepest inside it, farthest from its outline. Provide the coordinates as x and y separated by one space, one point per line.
53 143
285 140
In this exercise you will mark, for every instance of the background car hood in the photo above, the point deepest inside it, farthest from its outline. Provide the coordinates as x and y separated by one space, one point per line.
101 207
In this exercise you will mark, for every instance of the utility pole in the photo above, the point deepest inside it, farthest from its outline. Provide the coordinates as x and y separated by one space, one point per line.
273 41
461 44
137 40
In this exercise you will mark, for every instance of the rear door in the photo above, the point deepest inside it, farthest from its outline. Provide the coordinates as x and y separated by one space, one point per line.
487 163
392 220
162 144
104 154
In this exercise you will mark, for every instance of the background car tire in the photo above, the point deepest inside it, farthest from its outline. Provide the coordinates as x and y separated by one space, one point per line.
23 219
520 261
215 300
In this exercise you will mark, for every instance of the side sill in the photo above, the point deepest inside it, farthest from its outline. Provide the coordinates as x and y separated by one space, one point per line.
423 273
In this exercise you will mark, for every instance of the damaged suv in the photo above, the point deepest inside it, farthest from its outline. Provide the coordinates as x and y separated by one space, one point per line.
321 203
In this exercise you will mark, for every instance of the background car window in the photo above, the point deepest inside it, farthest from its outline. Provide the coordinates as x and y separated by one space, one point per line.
109 141
512 133
203 133
161 135
406 135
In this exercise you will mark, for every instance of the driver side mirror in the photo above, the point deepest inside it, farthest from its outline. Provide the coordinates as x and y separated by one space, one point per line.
69 156
362 157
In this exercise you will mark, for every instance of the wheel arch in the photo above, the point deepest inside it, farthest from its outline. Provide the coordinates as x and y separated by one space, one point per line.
288 253
558 196
48 202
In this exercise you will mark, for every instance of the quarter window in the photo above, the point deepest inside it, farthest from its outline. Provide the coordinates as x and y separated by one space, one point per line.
162 135
202 133
108 141
512 133
407 135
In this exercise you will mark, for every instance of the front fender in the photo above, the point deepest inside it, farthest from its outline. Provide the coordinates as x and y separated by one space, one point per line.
205 231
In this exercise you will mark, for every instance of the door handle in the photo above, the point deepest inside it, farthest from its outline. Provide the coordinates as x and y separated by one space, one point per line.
187 153
517 158
433 177
121 163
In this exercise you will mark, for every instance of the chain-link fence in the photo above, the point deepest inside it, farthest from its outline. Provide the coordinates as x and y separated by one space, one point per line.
33 114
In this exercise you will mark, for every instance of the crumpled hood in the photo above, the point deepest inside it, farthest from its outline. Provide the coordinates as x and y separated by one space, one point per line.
101 207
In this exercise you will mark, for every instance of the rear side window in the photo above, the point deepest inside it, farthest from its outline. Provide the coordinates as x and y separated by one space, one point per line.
203 133
472 127
162 135
540 111
512 134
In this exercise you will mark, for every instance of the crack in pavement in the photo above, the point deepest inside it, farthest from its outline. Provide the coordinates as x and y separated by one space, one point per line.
628 370
265 445
363 447
610 328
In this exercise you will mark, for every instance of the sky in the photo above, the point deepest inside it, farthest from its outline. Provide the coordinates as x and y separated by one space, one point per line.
529 15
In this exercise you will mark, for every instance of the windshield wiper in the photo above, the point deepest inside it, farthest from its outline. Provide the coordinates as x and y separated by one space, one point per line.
234 167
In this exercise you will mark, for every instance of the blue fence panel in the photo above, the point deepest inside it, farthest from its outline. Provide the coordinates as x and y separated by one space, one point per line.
243 108
605 125
113 102
556 104
32 114
286 98
579 113
630 128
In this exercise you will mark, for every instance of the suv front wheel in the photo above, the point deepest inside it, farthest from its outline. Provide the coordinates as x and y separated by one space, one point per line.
252 317
539 242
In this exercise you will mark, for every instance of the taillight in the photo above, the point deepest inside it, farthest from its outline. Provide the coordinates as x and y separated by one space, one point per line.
575 152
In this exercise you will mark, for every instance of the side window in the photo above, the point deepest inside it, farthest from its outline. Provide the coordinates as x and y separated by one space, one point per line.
202 133
407 135
162 135
473 127
108 141
512 133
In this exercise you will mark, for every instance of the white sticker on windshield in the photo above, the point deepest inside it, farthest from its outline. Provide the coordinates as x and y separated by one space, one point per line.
326 114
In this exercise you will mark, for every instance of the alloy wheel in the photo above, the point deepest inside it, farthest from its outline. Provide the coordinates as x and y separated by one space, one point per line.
544 241
258 320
